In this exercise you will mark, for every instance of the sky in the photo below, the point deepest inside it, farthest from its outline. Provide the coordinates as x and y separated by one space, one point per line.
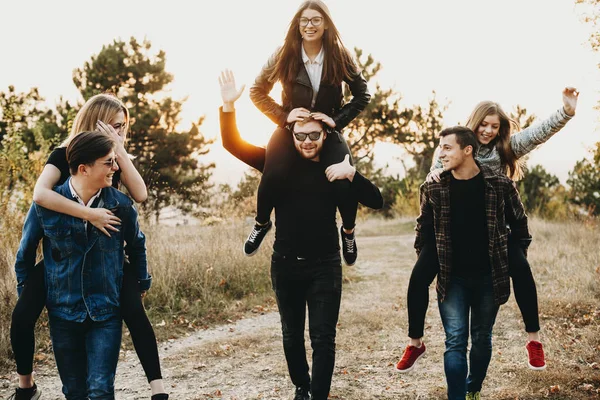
512 52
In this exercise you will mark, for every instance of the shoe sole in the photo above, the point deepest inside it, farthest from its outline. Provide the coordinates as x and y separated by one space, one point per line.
536 368
249 254
404 371
531 366
347 264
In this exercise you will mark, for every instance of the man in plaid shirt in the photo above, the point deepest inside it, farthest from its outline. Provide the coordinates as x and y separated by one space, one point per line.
468 215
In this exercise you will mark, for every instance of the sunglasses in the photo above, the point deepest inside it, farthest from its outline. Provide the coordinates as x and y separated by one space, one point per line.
313 136
110 162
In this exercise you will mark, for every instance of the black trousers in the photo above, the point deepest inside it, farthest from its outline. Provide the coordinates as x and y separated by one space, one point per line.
278 161
318 284
33 299
427 267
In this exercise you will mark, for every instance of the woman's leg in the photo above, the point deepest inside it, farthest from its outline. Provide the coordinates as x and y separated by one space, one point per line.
142 333
423 273
524 286
335 149
24 316
278 160
279 156
526 296
417 299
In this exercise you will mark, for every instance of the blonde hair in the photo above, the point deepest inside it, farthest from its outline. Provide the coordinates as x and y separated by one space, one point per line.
510 162
101 107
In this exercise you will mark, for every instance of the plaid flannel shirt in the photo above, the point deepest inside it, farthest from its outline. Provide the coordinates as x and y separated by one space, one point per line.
504 209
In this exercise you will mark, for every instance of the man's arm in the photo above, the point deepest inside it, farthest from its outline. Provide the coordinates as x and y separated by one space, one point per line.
136 247
30 239
248 153
515 215
365 192
424 229
252 155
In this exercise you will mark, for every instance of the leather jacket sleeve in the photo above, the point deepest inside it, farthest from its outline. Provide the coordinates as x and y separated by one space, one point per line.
360 99
259 94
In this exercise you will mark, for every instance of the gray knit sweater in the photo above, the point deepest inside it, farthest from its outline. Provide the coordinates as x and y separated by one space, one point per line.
522 142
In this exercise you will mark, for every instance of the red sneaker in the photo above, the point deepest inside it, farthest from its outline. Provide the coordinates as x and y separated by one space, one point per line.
410 357
535 351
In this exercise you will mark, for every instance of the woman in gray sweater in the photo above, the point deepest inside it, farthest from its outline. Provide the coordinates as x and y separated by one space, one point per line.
502 151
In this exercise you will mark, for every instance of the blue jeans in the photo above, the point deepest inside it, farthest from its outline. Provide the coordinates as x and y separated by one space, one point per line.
86 355
463 297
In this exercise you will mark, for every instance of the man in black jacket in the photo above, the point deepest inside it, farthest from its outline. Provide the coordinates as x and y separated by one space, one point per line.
306 266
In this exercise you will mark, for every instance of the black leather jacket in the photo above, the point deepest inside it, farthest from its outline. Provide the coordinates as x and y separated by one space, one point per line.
299 94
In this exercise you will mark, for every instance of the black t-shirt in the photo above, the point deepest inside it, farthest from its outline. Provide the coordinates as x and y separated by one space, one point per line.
468 225
305 210
58 158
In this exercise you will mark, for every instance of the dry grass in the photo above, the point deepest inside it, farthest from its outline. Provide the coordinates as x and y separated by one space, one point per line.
200 277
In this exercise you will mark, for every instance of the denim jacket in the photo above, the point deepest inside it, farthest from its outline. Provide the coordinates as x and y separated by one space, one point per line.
83 270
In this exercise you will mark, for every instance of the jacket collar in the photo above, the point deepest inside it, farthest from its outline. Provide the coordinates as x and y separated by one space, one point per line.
75 195
486 172
107 196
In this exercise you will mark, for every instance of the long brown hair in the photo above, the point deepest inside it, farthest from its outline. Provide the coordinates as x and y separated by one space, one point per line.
338 63
101 107
513 167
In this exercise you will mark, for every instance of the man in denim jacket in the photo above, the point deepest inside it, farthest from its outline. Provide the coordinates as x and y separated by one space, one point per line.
84 269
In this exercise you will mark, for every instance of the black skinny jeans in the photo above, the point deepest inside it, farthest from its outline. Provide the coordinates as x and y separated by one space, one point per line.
279 158
317 283
33 299
427 267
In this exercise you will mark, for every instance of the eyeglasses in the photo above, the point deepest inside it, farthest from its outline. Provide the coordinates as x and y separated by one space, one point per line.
110 163
315 21
313 136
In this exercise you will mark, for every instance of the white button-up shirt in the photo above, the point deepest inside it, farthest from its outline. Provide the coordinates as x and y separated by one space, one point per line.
315 70
76 196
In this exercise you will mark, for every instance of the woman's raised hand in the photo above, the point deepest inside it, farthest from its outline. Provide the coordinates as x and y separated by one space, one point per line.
229 93
319 116
108 129
570 95
298 114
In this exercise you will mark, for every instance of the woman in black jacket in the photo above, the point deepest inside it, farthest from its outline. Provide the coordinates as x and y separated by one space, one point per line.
311 66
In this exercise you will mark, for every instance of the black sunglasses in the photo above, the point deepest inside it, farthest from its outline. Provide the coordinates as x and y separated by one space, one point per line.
314 136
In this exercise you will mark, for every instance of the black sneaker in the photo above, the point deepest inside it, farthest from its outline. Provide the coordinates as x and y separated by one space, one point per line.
255 238
302 393
160 396
32 393
349 250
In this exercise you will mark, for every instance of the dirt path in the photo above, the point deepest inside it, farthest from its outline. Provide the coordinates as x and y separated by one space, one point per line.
244 360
